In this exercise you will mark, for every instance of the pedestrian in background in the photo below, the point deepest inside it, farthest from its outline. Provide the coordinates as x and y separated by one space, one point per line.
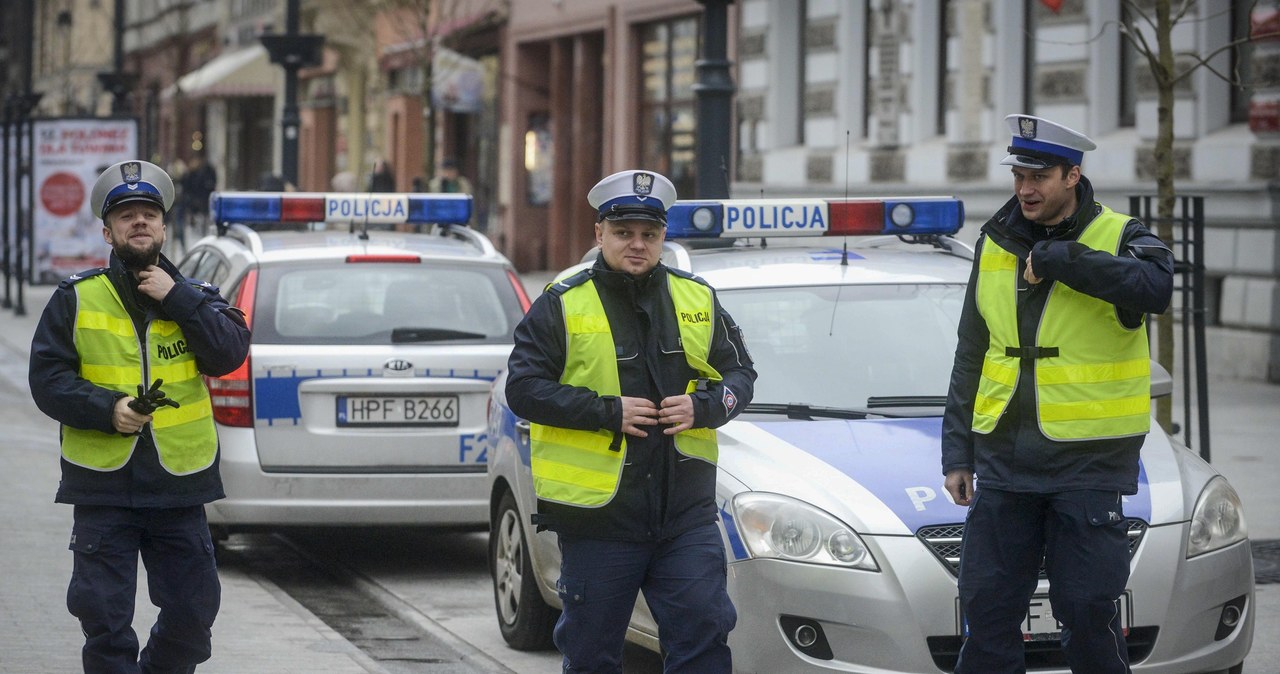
1048 406
624 370
448 180
200 180
382 179
137 468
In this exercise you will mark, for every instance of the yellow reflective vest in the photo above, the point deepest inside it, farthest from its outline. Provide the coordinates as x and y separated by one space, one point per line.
582 468
1092 374
110 356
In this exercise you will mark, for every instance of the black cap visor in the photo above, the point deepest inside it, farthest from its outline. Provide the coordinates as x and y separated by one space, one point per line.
153 199
629 212
1033 159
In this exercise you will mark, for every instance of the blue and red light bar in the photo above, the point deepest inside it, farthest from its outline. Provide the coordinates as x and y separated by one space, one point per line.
712 218
343 207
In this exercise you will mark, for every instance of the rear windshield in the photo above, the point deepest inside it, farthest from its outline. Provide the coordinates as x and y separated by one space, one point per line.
362 303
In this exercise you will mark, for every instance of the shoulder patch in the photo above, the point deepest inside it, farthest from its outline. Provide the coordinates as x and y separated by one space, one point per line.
204 286
559 287
687 275
80 276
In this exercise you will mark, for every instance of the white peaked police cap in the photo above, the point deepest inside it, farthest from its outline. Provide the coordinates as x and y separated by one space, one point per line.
132 180
633 195
1039 143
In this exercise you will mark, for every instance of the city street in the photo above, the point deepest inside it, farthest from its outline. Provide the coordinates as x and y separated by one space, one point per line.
393 601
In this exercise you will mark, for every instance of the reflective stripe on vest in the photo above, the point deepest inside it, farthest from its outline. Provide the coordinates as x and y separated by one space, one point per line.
1099 384
578 467
185 438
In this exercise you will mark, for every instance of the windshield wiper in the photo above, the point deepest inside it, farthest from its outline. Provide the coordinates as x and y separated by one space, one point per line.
906 401
402 335
807 412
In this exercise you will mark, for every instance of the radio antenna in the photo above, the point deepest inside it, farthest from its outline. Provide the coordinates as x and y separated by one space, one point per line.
844 257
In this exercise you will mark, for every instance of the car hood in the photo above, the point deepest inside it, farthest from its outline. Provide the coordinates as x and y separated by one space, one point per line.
883 476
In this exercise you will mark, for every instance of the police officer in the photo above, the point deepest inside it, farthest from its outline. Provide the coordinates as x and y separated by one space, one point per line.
1048 405
138 477
624 369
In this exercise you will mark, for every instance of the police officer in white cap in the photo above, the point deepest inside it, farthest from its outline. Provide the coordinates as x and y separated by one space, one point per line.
624 370
138 461
1049 404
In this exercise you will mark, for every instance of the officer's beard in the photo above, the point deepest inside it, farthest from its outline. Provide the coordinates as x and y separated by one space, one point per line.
137 260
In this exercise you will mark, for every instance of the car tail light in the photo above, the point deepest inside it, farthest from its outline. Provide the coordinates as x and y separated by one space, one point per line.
384 258
519 288
232 398
232 393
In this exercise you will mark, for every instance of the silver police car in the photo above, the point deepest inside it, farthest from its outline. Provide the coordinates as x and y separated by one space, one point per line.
843 547
363 397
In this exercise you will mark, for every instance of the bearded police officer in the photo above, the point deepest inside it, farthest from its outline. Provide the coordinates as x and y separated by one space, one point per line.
1048 406
138 475
624 370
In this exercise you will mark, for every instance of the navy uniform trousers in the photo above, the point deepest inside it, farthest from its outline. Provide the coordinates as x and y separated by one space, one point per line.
1084 538
683 581
182 579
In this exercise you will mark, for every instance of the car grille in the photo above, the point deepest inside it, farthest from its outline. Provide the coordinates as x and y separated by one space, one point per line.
944 542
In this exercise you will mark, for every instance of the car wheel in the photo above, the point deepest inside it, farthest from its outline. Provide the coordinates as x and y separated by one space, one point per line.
526 621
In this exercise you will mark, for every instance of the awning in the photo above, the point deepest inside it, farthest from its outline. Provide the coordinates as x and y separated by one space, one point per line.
244 72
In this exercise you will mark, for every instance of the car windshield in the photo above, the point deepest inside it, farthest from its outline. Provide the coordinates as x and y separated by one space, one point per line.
843 346
380 303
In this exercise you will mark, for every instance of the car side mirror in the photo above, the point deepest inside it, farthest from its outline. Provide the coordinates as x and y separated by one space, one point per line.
1161 381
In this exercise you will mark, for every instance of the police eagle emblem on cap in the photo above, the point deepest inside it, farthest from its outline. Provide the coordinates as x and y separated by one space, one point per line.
131 172
1027 127
642 183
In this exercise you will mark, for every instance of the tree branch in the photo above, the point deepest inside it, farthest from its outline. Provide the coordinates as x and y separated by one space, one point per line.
1139 42
1133 8
1182 11
1203 61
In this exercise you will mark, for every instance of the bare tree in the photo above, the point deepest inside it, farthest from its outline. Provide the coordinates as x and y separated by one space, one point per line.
427 30
1168 69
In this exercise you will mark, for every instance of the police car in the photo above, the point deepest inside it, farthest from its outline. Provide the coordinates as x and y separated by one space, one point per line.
363 397
843 546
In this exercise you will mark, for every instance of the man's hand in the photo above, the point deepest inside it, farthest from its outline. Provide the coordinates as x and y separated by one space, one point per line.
154 283
678 412
959 485
637 412
1029 275
125 419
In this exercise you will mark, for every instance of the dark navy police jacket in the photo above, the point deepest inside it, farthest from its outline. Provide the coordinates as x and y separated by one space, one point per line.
661 493
214 331
1016 456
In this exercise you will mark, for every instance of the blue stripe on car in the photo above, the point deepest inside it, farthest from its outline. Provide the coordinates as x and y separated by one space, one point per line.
898 461
736 546
276 400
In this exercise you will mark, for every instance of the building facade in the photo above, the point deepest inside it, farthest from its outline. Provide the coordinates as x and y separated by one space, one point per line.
537 99
865 97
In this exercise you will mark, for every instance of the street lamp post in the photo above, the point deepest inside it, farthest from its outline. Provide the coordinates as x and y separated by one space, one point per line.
117 81
292 51
6 195
26 103
714 91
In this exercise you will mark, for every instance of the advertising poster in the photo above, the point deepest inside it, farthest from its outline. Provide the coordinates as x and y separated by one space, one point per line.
68 155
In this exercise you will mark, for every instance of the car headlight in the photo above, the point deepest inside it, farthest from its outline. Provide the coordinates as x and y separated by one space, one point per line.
1218 519
781 527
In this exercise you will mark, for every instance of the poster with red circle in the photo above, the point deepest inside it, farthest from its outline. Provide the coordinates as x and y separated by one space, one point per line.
68 154
62 194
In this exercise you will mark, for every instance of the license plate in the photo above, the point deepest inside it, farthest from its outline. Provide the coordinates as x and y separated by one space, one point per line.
397 411
1039 623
